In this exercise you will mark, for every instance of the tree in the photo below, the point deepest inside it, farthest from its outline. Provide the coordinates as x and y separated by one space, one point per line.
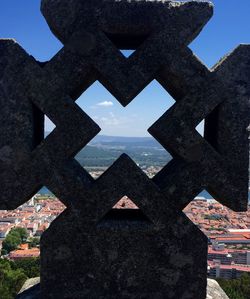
10 243
30 266
236 288
11 280
14 238
20 231
34 242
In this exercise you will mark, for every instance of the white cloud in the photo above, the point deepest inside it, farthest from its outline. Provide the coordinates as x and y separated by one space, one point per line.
105 104
119 125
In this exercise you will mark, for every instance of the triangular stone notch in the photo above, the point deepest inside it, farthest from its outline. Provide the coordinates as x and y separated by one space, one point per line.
125 203
125 214
126 42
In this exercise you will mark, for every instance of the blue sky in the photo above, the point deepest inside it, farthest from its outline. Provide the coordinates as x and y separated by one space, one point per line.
230 26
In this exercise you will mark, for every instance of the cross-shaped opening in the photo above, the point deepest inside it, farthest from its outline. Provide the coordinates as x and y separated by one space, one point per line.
124 130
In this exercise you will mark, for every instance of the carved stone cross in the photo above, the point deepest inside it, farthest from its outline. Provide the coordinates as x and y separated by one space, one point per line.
162 254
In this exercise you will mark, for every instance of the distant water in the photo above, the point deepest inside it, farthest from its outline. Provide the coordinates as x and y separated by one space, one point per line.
208 196
44 190
204 193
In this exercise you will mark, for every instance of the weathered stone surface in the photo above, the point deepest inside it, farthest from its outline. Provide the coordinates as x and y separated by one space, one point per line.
133 21
30 289
21 121
94 29
214 291
213 95
92 251
226 127
34 166
150 257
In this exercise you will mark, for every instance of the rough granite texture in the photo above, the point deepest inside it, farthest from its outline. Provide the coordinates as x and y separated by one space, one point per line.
31 290
90 250
214 291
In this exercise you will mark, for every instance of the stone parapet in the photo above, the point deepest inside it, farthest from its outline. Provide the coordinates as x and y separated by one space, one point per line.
30 290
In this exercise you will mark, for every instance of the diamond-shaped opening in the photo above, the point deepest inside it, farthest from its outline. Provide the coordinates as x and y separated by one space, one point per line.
42 126
38 125
209 133
125 213
21 229
49 126
126 42
215 220
124 130
200 128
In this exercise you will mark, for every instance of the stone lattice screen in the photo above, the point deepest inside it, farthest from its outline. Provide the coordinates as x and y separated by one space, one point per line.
83 256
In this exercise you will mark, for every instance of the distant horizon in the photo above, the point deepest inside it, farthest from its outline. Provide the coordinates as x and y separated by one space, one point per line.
118 136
